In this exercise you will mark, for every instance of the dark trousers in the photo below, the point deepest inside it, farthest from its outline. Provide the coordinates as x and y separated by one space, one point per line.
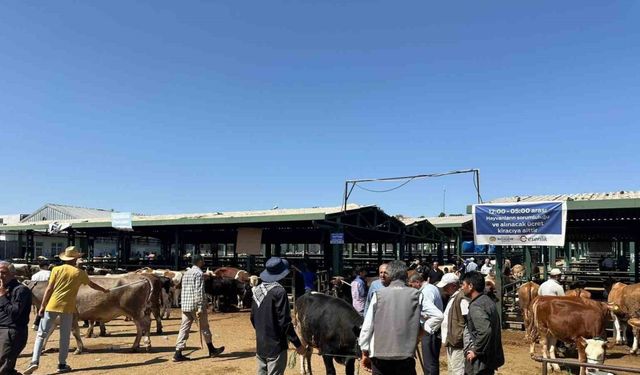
431 353
12 342
393 367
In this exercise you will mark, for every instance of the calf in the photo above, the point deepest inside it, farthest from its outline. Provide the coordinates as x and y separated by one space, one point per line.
330 325
573 320
526 294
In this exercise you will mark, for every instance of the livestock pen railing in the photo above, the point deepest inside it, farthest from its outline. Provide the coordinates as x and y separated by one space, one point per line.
573 362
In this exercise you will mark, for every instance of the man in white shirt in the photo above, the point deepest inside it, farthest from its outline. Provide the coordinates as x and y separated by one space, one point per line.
431 319
552 286
42 275
471 265
486 267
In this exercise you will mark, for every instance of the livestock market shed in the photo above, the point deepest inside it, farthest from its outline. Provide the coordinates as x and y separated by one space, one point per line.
599 226
334 238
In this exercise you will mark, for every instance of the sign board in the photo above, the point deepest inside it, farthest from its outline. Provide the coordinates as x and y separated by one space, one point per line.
249 241
520 224
121 221
337 239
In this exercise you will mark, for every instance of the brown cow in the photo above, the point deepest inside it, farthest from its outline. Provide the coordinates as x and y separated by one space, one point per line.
526 294
129 296
624 303
573 320
232 273
578 292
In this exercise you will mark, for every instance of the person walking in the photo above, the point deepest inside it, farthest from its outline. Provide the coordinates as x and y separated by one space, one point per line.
485 354
390 329
383 281
42 275
193 305
15 304
453 325
271 318
359 290
59 302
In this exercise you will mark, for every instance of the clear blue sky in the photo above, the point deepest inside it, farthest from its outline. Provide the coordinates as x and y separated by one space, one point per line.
165 106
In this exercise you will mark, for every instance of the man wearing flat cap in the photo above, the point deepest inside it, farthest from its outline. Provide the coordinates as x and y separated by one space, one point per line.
271 318
59 301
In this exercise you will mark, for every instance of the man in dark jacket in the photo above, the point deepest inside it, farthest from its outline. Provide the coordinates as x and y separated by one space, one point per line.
271 318
485 354
15 305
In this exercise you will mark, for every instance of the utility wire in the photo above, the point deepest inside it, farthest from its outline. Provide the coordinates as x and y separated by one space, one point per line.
386 190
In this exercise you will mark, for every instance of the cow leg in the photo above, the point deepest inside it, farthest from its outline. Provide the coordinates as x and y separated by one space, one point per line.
103 330
158 318
89 333
75 330
620 334
350 366
552 352
582 357
307 359
545 350
328 365
634 348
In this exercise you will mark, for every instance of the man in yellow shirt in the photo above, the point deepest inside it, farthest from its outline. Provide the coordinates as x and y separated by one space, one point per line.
60 301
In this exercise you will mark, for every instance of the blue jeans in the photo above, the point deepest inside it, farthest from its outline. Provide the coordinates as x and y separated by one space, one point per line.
46 325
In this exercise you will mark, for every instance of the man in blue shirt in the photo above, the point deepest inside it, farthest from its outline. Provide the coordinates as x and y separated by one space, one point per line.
383 280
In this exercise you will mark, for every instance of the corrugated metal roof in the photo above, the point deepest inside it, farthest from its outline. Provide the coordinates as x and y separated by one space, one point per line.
56 212
438 222
570 197
285 214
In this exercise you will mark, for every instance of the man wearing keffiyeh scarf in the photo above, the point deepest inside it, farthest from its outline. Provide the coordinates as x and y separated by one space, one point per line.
271 318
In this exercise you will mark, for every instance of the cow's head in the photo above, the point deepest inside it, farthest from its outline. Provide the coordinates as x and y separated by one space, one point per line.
595 349
254 280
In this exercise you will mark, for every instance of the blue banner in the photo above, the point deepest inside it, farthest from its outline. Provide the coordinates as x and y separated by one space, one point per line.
523 224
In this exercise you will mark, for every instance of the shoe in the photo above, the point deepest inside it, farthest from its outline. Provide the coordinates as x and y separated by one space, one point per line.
214 352
63 368
30 370
179 357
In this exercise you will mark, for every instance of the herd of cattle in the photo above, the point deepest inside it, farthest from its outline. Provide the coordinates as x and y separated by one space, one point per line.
576 319
142 294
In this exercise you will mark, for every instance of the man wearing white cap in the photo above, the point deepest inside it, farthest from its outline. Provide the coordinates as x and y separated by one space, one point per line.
552 286
454 323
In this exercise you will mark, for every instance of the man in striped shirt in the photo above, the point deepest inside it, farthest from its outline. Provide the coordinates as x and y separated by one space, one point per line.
194 306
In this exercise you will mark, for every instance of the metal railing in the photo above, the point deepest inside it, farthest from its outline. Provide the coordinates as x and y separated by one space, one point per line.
573 362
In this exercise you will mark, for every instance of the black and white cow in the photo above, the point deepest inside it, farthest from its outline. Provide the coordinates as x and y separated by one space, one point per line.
330 325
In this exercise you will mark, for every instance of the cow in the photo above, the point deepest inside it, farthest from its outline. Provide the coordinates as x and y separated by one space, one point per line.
128 296
330 325
573 320
578 292
340 288
25 271
224 292
175 288
232 273
624 303
526 294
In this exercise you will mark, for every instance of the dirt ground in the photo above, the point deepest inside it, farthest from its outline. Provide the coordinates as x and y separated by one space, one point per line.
110 355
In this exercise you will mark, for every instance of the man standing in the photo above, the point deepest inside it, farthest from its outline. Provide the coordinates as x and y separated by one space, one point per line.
455 315
431 319
383 281
391 325
552 286
59 301
485 353
471 265
42 275
359 290
15 304
271 318
486 267
435 275
193 306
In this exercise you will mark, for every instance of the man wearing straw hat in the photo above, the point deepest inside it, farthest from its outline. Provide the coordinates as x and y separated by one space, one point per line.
60 301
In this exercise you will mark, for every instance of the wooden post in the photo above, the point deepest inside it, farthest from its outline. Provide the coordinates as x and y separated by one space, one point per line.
567 255
499 260
527 262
